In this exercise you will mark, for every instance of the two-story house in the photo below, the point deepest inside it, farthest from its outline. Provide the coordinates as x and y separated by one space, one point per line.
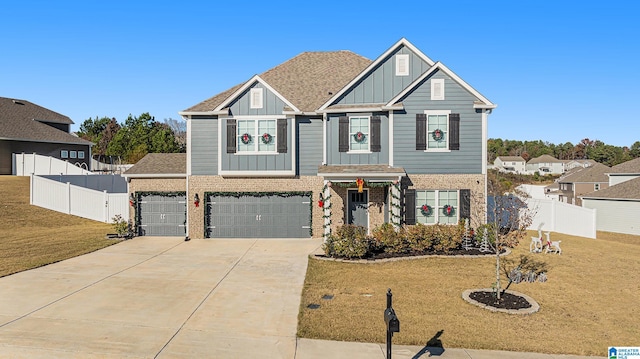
331 138
545 165
585 180
513 164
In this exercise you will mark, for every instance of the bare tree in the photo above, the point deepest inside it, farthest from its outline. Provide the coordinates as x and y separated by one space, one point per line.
179 128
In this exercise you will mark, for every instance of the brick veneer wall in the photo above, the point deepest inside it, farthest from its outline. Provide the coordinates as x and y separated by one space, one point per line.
156 185
202 184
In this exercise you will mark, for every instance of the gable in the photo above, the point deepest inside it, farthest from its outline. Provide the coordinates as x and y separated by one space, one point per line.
381 83
271 103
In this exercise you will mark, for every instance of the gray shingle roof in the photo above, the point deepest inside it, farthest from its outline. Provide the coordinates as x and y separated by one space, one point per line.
160 164
23 120
632 166
626 190
511 158
307 80
346 169
595 173
544 159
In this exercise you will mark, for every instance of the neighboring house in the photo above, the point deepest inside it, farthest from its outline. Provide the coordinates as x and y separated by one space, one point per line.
545 165
587 180
571 164
28 128
513 164
539 191
624 172
157 184
618 207
328 138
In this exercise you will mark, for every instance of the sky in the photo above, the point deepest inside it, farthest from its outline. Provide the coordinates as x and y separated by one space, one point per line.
559 71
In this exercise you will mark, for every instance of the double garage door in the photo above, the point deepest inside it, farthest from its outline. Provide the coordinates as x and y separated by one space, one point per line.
162 215
252 215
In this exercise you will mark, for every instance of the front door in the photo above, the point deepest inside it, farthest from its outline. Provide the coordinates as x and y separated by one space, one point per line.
358 210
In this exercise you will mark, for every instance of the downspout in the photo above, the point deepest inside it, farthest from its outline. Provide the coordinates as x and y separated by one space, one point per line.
324 138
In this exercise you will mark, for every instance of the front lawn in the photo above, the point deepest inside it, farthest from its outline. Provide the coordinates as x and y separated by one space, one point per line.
590 301
31 236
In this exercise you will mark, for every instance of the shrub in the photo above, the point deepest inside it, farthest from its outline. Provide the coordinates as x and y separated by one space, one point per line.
446 237
120 225
419 237
348 241
386 238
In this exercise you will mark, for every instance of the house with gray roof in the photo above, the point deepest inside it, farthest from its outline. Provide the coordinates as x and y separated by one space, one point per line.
28 128
325 139
624 171
618 207
545 165
585 180
513 164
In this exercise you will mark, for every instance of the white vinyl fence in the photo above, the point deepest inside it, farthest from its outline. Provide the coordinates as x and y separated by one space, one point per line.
28 164
562 217
82 202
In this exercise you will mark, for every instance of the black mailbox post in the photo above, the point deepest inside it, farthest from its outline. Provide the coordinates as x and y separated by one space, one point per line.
392 321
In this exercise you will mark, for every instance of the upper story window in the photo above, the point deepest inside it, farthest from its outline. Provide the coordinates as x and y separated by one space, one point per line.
256 136
256 97
437 89
64 154
437 130
437 207
73 154
359 133
402 65
81 154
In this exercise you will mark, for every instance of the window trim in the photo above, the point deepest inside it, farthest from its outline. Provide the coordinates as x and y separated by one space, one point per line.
437 209
368 150
73 154
81 155
256 98
446 137
64 154
400 58
435 82
257 136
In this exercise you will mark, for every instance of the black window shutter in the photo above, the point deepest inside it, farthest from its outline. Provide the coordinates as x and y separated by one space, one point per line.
282 135
465 204
421 131
343 134
410 206
231 136
375 133
454 131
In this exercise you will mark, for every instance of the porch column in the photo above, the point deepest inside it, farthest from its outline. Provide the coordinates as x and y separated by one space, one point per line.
326 210
395 203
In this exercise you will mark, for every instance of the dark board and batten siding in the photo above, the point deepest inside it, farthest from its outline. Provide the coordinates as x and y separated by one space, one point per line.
204 146
381 85
467 160
309 145
336 157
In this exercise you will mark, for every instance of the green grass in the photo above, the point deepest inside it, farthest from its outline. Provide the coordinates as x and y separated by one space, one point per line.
591 300
31 236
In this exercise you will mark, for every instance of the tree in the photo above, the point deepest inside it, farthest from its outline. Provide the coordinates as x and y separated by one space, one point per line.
508 218
179 129
93 130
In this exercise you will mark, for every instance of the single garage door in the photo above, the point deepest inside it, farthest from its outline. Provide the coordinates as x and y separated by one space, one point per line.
162 215
264 215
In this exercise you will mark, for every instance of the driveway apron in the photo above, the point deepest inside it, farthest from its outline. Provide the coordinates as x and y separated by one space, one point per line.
159 297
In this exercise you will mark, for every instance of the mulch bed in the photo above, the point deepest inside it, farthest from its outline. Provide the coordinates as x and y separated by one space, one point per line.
507 300
453 252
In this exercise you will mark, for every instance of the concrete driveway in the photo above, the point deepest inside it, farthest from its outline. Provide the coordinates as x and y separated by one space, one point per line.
159 297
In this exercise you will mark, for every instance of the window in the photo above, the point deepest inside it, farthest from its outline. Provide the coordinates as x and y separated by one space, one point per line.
596 186
437 89
402 65
256 136
437 130
255 98
359 134
436 207
73 154
64 154
81 154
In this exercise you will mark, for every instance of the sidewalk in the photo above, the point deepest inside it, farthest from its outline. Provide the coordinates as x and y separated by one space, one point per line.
314 348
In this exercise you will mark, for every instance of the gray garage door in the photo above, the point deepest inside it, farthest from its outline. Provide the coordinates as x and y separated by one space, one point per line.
265 216
162 215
